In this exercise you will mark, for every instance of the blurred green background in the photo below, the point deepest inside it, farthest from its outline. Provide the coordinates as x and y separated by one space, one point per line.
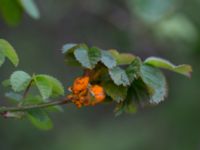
164 28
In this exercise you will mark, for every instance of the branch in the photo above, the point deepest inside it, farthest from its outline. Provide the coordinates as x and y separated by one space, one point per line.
35 106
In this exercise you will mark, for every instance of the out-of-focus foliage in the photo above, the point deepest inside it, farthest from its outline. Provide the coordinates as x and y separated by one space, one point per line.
7 51
164 19
12 10
152 11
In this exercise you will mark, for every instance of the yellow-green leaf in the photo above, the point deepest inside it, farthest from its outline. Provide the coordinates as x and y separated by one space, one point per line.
44 86
122 58
8 51
49 86
165 64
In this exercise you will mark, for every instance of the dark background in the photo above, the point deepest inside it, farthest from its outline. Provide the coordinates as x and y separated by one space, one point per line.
164 28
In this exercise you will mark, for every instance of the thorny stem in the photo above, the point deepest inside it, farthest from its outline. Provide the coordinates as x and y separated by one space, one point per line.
35 106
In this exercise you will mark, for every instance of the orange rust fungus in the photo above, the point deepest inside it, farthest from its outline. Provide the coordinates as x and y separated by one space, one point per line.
99 94
84 94
80 84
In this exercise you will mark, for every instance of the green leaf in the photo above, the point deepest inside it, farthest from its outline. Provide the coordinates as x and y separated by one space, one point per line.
88 57
40 119
30 8
11 11
57 87
162 63
107 59
8 51
49 86
156 83
122 58
71 60
117 93
2 58
138 91
44 86
19 80
119 76
133 70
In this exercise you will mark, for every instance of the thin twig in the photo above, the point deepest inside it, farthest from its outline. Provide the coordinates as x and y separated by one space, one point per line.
25 93
35 106
27 89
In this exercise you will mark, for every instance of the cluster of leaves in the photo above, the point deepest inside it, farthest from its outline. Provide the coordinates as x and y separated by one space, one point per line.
47 87
42 87
12 10
126 79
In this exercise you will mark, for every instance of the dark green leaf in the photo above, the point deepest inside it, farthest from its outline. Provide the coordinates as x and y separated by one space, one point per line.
156 83
133 70
40 119
11 11
71 60
8 51
19 80
30 8
88 57
119 76
107 59
117 93
138 92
